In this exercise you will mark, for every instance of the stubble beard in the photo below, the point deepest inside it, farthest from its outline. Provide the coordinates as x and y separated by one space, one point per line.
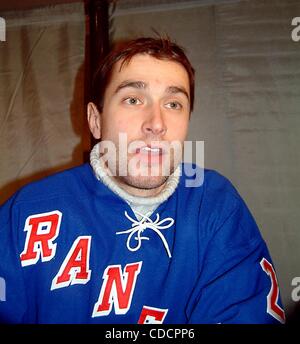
144 179
145 175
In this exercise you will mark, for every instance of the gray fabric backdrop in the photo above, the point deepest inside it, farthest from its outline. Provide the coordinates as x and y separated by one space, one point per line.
41 94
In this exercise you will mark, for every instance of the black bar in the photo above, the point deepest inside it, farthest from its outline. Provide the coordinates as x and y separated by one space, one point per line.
97 42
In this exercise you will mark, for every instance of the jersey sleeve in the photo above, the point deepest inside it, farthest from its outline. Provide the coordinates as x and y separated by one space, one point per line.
237 283
12 289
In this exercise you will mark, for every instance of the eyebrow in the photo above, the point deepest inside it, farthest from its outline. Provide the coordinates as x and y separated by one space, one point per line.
144 85
132 84
177 89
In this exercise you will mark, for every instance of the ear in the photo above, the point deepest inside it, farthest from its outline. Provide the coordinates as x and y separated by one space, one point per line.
94 120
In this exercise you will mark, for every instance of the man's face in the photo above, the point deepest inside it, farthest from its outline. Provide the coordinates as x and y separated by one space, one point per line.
148 100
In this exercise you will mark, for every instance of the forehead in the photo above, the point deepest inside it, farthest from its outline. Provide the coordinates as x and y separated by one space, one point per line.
147 68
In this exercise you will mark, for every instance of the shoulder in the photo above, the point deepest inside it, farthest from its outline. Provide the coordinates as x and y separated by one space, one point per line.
208 184
61 184
222 211
195 176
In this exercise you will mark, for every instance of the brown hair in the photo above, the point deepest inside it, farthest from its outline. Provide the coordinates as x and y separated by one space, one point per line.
160 48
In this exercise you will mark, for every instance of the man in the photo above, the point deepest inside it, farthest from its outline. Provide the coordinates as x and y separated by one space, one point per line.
124 239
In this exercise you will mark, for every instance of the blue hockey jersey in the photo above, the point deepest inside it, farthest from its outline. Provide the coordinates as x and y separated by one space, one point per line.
72 251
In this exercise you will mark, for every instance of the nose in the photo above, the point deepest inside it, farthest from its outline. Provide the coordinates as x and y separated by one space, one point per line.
154 124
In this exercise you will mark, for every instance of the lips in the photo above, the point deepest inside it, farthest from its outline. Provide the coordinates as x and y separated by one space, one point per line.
150 155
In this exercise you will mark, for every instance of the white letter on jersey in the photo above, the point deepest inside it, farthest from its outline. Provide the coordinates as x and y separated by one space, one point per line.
272 299
42 230
75 268
2 289
151 315
117 288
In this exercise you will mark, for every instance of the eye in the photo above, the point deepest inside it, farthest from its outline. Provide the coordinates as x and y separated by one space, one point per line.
174 105
132 101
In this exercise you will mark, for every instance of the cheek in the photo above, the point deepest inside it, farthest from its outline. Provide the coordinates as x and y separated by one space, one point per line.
178 130
113 125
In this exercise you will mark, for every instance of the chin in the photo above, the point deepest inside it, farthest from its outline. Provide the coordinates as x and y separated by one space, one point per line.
144 182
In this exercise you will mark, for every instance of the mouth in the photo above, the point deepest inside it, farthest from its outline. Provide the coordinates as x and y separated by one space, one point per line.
150 155
148 150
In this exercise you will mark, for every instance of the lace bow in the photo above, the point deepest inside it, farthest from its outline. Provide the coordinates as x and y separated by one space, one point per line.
138 227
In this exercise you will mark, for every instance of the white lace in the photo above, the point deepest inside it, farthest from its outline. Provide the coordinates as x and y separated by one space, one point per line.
138 227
